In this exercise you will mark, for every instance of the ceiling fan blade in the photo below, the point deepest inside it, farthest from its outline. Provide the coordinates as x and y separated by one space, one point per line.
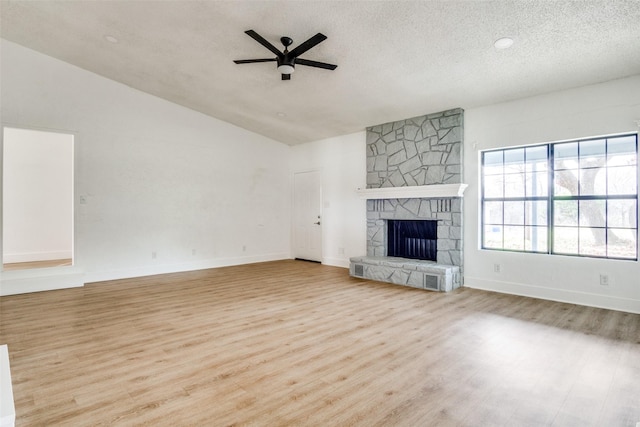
286 77
251 61
299 50
257 37
300 61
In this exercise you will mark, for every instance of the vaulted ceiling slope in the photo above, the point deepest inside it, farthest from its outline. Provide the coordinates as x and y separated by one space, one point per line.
395 59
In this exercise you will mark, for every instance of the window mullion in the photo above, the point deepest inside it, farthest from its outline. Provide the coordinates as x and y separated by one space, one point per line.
550 197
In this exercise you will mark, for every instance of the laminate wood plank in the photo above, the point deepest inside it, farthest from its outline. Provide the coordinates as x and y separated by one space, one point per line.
292 343
12 266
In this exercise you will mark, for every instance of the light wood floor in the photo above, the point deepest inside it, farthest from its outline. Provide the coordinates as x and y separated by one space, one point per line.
36 264
294 343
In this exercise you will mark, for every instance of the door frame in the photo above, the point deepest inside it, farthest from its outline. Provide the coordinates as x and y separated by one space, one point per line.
44 279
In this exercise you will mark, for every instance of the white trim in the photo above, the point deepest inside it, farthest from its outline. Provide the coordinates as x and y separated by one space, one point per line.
561 295
48 279
336 262
411 192
101 276
40 279
7 407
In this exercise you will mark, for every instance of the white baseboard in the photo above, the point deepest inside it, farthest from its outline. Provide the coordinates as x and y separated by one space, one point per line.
48 279
336 262
561 295
41 279
101 276
35 256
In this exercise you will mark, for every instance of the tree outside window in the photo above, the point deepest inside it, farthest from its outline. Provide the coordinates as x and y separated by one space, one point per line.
571 198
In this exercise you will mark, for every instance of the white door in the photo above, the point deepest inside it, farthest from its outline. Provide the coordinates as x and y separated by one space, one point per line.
307 222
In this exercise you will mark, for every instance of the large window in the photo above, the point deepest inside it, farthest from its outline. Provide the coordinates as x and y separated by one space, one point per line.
570 198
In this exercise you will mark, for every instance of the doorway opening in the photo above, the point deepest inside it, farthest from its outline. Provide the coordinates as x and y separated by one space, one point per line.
37 199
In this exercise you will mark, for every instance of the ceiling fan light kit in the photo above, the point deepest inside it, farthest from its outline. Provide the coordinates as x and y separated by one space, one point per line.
286 69
286 59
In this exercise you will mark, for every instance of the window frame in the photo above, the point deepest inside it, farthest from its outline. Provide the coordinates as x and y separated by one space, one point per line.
551 198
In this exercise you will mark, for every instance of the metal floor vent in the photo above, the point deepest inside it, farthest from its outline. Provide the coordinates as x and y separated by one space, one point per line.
358 270
431 282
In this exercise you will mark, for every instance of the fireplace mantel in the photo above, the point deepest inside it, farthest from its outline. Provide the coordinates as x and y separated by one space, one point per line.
413 192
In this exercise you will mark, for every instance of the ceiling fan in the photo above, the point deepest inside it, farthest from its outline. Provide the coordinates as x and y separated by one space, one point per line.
287 60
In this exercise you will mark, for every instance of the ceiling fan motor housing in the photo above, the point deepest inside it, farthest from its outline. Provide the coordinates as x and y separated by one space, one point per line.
286 64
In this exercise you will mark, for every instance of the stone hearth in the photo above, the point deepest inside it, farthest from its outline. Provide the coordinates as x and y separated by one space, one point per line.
407 272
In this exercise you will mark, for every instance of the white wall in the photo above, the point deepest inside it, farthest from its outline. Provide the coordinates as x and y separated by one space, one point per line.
156 177
342 163
161 178
607 108
38 196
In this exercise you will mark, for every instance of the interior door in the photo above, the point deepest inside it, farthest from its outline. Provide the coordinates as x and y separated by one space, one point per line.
307 221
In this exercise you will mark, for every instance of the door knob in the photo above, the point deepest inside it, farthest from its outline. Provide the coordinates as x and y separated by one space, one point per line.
317 223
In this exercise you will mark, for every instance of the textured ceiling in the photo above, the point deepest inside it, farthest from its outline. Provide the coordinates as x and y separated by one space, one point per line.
395 59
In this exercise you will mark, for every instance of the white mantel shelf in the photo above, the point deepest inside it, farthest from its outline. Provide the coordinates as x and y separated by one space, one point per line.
413 192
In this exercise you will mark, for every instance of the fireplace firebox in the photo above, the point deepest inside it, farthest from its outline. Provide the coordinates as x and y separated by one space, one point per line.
414 239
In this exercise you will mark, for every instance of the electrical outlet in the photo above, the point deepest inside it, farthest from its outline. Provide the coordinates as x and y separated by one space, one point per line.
244 248
154 255
193 251
604 279
496 268
340 251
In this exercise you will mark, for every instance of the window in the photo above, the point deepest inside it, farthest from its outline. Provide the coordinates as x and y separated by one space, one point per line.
570 198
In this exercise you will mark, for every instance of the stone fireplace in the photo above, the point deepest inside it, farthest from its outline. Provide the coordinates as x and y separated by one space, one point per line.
414 172
447 213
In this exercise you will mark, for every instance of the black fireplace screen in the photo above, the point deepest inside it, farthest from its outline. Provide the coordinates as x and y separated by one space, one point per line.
412 239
